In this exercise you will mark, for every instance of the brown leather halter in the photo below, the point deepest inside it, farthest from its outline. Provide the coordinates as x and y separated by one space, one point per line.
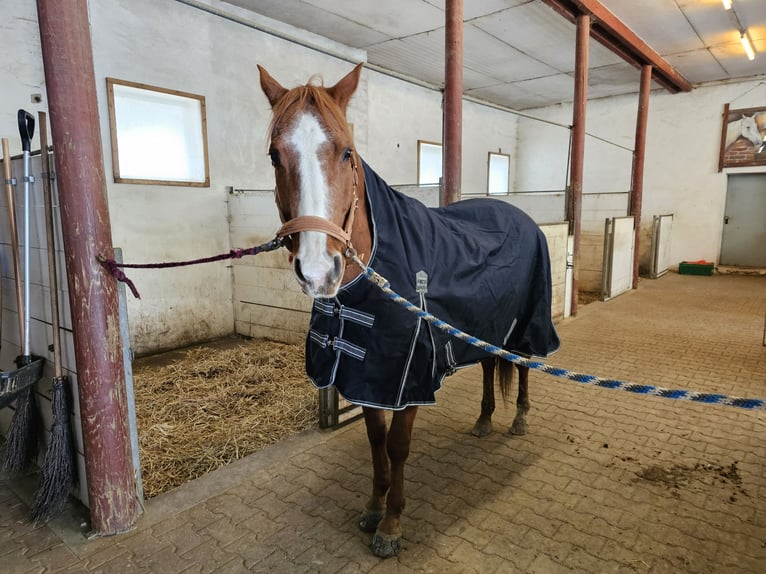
315 223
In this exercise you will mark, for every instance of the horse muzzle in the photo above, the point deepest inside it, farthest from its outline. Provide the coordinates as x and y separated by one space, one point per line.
319 279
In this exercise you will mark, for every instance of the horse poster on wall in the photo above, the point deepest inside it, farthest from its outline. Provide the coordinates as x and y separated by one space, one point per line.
743 138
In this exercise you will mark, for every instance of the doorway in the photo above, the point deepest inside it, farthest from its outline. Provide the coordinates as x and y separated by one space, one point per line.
743 243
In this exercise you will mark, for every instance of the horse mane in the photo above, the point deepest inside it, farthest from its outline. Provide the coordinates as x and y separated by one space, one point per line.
310 95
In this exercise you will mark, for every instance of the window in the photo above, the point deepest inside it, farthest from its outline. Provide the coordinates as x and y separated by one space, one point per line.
159 136
498 174
429 163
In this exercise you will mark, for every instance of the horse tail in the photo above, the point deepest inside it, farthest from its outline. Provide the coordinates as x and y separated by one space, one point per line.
504 371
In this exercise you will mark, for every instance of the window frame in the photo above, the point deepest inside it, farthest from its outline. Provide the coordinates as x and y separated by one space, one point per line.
507 158
421 145
119 177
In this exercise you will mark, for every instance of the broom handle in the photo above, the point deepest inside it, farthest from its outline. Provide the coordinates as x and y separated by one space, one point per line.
26 131
14 234
49 224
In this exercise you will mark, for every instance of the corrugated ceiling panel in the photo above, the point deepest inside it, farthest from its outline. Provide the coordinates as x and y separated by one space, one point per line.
733 60
485 53
507 41
667 34
316 20
420 56
394 18
473 8
537 31
698 66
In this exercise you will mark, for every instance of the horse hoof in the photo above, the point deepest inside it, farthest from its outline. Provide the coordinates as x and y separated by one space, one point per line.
386 545
482 428
518 428
369 521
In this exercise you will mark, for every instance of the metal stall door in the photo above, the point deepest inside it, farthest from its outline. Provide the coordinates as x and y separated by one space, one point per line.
662 227
743 242
617 274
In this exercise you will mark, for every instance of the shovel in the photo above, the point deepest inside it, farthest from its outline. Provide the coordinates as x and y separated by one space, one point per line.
23 434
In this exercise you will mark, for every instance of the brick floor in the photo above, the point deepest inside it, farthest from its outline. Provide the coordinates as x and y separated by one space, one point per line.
605 481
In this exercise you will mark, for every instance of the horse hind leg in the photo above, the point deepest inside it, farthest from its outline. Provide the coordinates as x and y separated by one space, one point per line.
483 424
519 426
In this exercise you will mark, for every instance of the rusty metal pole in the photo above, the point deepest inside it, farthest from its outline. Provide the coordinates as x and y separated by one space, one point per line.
574 197
71 89
453 105
639 153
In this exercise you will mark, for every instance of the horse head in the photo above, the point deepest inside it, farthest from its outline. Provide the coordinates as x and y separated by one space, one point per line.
750 130
318 187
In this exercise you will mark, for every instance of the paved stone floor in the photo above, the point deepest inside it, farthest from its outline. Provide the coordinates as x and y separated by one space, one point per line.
605 481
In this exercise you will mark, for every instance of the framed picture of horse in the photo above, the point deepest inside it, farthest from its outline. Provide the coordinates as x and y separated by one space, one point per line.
743 138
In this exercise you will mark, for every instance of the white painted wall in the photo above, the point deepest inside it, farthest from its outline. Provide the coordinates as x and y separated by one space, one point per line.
681 169
21 69
400 114
150 41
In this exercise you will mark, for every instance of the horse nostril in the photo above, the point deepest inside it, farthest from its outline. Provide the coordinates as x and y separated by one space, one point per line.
338 265
298 272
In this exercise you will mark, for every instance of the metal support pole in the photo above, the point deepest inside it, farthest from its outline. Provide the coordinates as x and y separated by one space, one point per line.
69 77
639 153
453 105
574 197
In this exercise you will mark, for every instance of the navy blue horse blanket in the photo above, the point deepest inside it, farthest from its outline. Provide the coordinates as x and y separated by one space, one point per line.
481 265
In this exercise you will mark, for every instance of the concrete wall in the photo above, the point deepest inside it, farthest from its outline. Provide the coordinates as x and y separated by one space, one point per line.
168 223
21 68
149 41
556 235
681 171
164 223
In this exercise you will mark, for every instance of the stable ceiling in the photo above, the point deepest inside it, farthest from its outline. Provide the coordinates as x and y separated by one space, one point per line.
520 53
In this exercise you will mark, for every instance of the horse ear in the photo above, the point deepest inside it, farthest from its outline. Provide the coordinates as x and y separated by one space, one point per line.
345 88
270 86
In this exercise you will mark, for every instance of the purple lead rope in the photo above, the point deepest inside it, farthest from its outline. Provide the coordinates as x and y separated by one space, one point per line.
116 268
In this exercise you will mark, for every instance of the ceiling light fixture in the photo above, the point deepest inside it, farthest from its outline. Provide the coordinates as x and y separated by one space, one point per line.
726 4
748 46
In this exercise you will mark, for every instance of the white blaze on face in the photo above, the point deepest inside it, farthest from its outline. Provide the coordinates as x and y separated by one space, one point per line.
306 139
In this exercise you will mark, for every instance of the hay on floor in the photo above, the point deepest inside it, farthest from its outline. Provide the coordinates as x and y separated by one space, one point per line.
214 406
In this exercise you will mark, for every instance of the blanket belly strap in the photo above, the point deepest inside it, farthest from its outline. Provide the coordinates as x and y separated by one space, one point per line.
347 313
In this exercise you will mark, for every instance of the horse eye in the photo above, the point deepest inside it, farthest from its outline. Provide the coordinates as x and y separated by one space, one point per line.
274 154
347 154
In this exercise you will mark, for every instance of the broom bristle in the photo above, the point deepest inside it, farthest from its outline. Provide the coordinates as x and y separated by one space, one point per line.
22 440
58 468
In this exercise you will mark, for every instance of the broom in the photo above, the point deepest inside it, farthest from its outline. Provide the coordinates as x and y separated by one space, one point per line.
22 441
58 468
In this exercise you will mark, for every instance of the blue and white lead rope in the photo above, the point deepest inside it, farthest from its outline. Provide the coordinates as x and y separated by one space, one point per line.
710 398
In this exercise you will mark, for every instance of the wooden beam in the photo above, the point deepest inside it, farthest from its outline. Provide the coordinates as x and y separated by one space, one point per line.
611 32
639 153
452 151
71 86
577 168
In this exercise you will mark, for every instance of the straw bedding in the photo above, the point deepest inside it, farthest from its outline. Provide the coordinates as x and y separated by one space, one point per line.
216 405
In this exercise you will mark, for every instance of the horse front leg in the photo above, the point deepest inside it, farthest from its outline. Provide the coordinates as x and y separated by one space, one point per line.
375 421
519 426
483 424
387 540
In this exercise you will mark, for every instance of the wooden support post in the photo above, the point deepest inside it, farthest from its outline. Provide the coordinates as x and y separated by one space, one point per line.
71 88
452 154
574 196
639 153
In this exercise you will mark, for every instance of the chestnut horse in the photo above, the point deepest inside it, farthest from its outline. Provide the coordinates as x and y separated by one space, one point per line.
333 206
